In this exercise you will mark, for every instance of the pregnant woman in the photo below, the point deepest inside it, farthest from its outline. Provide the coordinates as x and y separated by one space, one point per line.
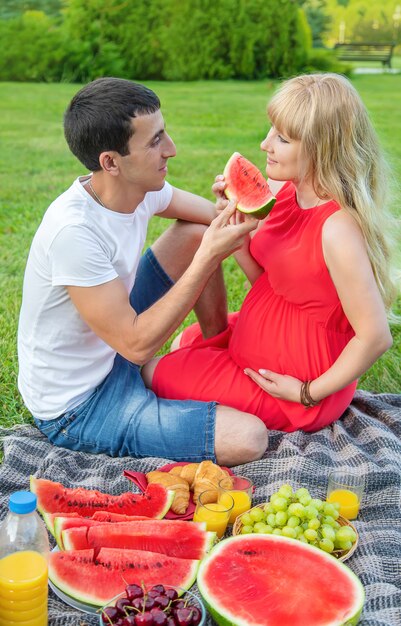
315 318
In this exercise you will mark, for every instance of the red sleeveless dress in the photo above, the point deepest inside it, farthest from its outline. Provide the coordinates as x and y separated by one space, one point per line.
291 322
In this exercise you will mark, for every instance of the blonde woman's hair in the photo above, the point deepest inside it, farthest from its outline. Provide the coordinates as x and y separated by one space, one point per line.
341 156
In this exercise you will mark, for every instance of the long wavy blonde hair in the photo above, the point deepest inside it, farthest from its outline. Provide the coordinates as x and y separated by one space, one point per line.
341 156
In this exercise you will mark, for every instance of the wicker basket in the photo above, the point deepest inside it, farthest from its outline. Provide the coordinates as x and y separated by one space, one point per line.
341 555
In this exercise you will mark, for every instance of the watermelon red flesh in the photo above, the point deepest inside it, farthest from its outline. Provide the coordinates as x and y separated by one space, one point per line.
185 540
64 523
247 184
267 579
54 497
96 580
105 516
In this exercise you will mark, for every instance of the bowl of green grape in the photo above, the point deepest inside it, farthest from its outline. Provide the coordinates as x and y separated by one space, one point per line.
297 515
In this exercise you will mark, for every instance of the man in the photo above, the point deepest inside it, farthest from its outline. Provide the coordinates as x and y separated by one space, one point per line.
94 311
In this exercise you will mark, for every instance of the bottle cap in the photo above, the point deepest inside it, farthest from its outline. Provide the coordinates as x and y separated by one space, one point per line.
22 502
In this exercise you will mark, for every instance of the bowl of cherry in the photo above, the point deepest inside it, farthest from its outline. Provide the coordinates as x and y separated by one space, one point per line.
160 605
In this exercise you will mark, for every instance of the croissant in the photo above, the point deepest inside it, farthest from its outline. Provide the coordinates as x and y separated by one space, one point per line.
187 472
207 477
175 483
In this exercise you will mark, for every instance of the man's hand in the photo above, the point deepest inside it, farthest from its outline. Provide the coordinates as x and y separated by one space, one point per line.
277 385
226 233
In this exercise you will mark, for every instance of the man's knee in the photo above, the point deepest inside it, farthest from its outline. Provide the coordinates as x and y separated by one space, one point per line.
175 248
240 437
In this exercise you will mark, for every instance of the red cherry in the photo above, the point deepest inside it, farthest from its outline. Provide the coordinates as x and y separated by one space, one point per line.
129 620
171 594
159 617
162 601
133 591
159 588
121 604
109 614
183 617
196 615
144 619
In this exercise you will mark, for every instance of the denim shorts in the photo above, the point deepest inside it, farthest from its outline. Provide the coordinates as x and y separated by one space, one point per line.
124 418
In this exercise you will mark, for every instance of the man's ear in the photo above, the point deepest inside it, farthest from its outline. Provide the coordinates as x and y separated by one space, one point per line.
108 163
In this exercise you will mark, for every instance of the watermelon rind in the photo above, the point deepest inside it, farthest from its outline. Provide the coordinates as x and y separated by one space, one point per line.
54 497
94 580
256 204
225 613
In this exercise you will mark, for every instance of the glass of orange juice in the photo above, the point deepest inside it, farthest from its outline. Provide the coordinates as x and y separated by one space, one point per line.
215 514
346 488
241 492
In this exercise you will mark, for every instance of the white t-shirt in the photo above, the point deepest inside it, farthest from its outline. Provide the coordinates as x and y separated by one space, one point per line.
79 242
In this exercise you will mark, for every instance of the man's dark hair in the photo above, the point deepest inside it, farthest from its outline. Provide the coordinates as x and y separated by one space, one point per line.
99 117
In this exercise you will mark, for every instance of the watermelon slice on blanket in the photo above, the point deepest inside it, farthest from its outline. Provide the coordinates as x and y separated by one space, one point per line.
54 497
246 183
260 580
95 578
185 540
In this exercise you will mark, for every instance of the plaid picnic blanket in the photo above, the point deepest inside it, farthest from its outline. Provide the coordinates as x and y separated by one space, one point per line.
367 438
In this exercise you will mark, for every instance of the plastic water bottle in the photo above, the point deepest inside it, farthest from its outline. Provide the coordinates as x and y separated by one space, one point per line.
24 548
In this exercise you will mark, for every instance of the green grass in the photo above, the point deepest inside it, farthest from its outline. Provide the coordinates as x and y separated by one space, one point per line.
208 121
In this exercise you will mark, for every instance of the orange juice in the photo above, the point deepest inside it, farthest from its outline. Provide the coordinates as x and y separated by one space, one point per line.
242 502
215 515
23 589
348 501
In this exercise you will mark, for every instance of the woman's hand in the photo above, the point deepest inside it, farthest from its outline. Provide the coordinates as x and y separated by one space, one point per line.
277 385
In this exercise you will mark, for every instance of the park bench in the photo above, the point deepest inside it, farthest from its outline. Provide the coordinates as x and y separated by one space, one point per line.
365 52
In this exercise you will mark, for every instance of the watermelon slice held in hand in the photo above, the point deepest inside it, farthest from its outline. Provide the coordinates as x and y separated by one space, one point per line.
246 183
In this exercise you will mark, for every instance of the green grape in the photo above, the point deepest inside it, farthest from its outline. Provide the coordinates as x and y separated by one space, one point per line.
328 520
256 515
277 531
346 533
310 534
289 532
302 538
247 529
329 509
285 491
302 492
268 509
336 525
314 523
280 504
293 521
246 520
260 528
268 529
298 531
305 499
281 518
328 532
296 509
274 497
311 512
318 504
343 545
271 519
326 544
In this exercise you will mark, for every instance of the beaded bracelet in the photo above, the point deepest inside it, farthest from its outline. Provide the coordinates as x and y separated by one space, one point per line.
305 397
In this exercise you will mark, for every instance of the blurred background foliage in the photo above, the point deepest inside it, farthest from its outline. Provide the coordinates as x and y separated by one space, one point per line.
79 40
